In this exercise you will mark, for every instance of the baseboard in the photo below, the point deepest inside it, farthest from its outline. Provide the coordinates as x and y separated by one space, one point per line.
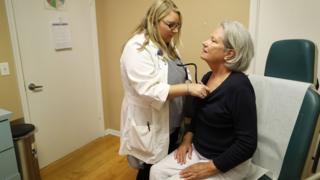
112 132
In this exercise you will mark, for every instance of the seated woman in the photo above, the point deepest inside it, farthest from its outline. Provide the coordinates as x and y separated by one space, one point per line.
223 133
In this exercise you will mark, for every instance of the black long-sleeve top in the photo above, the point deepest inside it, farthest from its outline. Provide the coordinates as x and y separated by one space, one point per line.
224 124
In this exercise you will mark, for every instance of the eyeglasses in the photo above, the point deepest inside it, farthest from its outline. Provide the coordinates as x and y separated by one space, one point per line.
172 25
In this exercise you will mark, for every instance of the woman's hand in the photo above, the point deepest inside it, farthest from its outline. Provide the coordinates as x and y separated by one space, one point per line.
198 171
181 153
199 90
185 149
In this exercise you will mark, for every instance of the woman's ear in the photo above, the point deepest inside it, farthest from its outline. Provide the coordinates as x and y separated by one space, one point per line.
230 53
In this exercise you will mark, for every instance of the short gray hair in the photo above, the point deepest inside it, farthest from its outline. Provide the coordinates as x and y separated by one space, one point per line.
238 38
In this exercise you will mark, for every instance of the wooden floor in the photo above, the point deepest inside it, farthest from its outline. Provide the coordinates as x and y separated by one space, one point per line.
97 160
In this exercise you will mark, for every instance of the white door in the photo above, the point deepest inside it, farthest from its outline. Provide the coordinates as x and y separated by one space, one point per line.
67 109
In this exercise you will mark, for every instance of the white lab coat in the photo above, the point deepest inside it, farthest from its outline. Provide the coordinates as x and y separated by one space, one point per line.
145 111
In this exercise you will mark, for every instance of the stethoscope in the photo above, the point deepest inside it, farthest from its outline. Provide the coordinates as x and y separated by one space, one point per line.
160 53
189 99
195 70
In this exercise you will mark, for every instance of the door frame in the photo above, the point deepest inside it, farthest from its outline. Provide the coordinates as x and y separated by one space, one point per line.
19 68
253 29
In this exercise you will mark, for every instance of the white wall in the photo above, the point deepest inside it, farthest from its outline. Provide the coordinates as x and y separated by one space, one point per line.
272 20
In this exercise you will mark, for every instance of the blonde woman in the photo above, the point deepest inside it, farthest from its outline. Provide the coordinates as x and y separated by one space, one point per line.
154 87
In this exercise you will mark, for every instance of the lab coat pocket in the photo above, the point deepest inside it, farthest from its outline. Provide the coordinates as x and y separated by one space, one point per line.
141 131
141 139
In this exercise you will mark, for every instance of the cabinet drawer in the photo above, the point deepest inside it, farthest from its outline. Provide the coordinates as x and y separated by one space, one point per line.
8 165
5 136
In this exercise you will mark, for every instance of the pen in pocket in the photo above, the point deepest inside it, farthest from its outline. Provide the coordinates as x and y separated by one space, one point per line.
148 125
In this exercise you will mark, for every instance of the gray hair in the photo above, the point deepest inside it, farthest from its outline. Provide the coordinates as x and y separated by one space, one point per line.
236 37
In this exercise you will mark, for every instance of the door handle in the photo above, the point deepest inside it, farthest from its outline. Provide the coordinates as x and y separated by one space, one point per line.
34 87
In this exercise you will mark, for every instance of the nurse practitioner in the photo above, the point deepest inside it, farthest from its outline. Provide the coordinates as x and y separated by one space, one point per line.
154 87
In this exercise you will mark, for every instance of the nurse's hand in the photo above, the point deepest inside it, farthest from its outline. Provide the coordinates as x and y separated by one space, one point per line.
198 90
193 89
199 170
